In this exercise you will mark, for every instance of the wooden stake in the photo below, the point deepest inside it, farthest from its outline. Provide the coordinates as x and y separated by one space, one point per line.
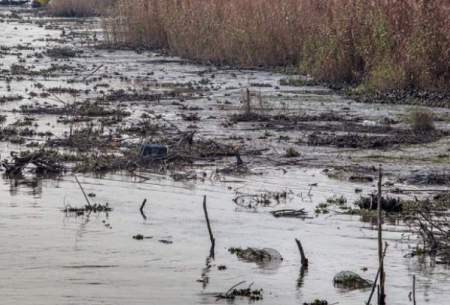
414 289
302 254
381 295
82 190
211 236
376 277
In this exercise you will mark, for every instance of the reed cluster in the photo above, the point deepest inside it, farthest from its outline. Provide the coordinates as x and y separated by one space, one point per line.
381 44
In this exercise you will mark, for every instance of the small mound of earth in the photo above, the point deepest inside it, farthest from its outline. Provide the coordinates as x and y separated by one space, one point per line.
354 140
350 280
430 178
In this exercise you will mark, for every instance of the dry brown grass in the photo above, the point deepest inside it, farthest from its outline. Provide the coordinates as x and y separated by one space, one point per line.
384 44
78 8
422 121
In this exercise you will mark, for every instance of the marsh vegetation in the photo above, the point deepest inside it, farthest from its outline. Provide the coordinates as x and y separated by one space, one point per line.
97 114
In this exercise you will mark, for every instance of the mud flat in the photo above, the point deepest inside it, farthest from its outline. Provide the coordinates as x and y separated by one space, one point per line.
252 141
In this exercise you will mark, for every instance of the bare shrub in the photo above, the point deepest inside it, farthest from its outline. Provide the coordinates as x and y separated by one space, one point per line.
291 152
422 120
384 43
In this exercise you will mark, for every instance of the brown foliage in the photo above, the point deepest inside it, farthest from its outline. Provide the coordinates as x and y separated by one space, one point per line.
422 121
384 43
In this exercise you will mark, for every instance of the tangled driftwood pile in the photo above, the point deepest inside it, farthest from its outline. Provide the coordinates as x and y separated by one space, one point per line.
44 163
430 218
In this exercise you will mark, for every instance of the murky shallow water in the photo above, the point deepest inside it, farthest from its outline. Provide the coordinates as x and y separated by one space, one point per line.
48 258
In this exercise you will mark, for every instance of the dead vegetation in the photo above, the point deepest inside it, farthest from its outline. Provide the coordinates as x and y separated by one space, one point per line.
317 302
430 219
291 152
369 42
87 209
430 178
44 161
388 204
356 140
422 121
249 293
264 199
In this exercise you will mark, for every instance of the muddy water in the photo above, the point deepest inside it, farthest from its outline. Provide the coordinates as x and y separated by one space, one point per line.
48 257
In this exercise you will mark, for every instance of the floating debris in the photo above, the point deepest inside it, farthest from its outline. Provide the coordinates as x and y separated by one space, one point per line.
265 199
317 302
290 213
256 255
45 162
141 237
93 208
233 292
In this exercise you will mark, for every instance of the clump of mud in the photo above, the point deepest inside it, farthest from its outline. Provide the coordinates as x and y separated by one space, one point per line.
354 140
255 254
350 280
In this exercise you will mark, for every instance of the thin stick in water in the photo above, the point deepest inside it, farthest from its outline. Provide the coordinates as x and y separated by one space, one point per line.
82 190
211 236
141 209
302 254
376 277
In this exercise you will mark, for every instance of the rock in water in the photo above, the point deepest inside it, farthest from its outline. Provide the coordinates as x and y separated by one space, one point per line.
256 255
350 280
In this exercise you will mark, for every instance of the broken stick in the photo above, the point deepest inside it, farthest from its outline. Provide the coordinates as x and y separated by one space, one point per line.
376 277
304 260
211 236
141 209
82 190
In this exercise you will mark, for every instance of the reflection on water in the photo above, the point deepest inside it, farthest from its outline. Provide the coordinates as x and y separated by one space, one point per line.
31 184
94 259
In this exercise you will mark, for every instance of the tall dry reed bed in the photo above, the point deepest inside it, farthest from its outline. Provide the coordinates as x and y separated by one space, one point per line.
382 44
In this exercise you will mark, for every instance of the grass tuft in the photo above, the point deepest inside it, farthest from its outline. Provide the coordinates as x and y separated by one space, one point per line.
422 121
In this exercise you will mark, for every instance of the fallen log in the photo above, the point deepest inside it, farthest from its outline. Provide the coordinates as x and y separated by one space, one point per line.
290 213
